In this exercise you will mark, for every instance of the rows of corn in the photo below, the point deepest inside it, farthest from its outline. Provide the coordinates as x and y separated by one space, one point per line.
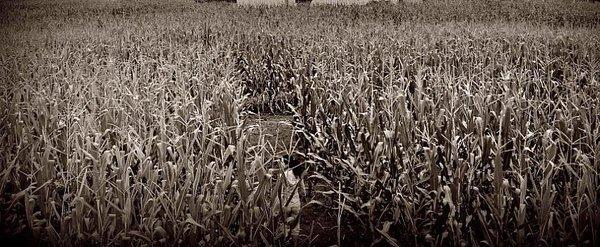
453 123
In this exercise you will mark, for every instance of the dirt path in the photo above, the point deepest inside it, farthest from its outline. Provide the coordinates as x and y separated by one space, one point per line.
277 131
318 224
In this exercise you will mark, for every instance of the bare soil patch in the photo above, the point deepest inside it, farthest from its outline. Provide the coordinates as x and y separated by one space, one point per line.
277 131
318 223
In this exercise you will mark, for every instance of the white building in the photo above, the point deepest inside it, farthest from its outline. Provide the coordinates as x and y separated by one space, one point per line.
266 2
358 2
340 2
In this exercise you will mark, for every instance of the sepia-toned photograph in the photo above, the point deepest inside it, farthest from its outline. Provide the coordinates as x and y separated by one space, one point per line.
300 123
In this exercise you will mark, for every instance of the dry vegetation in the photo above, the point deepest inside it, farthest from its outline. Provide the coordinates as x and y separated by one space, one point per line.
450 123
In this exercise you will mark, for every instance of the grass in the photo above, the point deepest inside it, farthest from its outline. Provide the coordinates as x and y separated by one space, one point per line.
442 123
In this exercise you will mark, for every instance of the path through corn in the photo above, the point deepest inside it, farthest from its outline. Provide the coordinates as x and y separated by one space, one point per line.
318 224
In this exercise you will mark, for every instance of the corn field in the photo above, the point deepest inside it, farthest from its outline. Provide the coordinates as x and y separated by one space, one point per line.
472 123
